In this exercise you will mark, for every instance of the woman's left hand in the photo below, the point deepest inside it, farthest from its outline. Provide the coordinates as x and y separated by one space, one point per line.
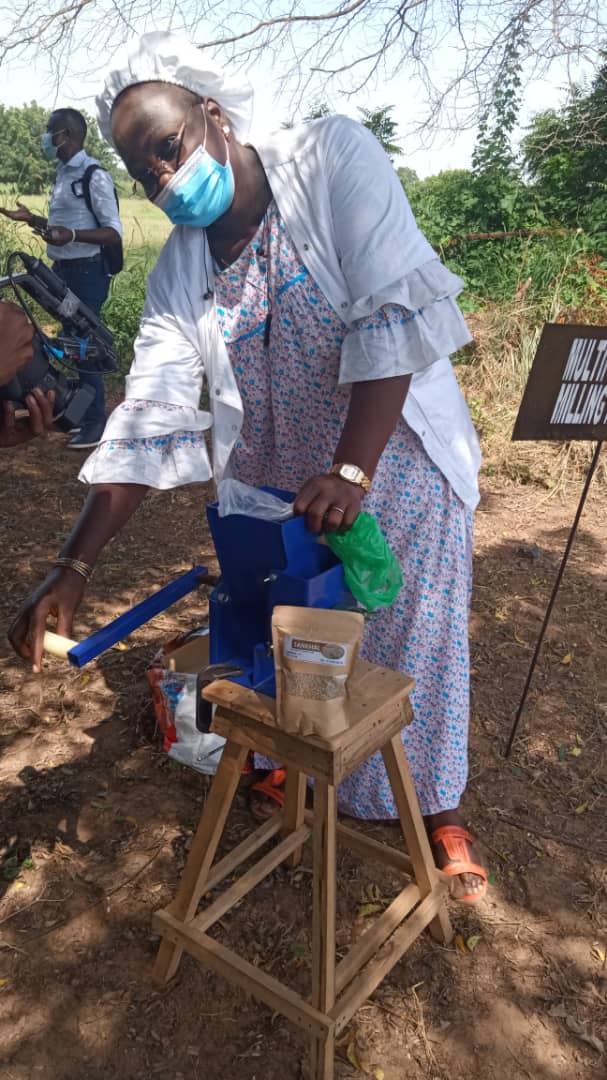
329 503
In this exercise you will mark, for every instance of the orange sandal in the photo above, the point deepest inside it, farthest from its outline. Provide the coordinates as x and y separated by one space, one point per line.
271 787
455 841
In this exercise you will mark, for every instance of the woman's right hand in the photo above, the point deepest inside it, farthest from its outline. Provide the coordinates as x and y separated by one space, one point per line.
59 595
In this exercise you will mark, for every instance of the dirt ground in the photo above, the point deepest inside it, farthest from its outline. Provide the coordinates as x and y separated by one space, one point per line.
95 822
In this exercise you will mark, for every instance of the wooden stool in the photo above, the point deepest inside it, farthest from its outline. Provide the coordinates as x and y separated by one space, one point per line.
380 709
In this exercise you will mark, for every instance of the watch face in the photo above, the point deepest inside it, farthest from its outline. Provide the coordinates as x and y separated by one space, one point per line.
350 472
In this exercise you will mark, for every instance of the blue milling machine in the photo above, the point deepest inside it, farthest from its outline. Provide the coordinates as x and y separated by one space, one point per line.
265 563
262 564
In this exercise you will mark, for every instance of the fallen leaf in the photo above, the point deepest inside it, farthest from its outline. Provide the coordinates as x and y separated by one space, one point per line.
97 805
566 659
575 751
579 740
352 1056
581 809
460 945
492 878
3 982
599 954
520 641
122 646
369 909
472 942
19 885
85 679
378 1073
517 771
562 752
499 615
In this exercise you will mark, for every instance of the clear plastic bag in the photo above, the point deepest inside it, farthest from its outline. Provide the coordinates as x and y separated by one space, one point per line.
238 498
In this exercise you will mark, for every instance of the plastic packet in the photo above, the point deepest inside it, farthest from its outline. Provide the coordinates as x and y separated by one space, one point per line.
238 498
371 571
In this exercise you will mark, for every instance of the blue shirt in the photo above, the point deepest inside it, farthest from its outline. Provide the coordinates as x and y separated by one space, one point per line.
69 210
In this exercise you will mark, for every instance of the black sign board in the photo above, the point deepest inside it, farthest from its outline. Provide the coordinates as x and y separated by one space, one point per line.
566 393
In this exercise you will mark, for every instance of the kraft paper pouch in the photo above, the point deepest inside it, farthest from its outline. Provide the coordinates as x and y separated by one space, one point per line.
314 653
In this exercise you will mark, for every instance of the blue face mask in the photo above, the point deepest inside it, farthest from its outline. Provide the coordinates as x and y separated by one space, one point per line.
200 191
48 146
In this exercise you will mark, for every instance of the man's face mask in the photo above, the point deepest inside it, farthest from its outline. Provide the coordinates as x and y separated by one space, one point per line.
48 146
200 191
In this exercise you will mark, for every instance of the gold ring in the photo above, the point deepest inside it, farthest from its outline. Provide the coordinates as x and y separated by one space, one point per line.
338 508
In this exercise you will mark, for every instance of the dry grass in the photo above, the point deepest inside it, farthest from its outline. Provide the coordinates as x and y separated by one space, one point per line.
493 374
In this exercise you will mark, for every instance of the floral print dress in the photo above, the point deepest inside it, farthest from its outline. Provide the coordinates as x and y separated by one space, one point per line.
294 411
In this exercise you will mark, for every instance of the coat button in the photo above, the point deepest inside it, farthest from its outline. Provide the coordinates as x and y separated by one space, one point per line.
343 304
306 247
218 393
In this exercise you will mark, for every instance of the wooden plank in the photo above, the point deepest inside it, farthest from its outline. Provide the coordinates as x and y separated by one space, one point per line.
373 849
295 808
363 985
368 738
375 936
243 851
323 896
323 1058
202 853
323 920
248 881
369 848
414 831
251 979
295 750
370 688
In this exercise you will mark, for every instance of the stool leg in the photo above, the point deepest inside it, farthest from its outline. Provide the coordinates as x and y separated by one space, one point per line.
202 854
323 920
414 831
295 805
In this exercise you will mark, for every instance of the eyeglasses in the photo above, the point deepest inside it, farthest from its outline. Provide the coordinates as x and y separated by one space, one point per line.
170 162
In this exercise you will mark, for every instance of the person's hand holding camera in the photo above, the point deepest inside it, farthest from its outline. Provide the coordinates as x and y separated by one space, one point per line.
16 350
15 429
16 341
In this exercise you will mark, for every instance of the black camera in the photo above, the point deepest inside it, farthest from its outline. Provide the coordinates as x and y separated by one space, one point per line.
84 344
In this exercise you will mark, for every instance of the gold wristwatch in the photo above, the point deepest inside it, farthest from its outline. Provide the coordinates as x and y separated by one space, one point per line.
352 474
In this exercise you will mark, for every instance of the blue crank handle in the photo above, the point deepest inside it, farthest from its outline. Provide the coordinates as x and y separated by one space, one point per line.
109 635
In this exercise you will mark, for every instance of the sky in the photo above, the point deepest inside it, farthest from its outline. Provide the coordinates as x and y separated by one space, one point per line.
448 149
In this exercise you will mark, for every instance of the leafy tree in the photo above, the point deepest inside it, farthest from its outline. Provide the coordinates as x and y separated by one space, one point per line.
498 187
408 178
383 127
23 166
565 155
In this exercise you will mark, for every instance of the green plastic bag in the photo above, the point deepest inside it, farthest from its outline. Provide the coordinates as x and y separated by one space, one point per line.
372 573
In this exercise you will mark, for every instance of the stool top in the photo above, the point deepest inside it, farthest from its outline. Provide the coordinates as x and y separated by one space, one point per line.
377 704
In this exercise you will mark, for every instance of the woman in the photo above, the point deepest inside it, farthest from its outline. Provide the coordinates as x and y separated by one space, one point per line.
298 284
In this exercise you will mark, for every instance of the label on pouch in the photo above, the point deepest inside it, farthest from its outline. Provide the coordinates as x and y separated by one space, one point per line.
331 653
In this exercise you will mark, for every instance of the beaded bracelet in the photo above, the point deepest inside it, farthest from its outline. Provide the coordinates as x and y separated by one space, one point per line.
78 565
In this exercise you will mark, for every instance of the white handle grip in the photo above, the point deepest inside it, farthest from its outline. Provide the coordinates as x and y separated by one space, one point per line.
57 645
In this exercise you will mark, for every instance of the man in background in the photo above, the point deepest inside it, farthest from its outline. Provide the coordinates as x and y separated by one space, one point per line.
77 235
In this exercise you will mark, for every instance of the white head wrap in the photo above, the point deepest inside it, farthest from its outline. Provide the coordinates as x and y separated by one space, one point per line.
171 58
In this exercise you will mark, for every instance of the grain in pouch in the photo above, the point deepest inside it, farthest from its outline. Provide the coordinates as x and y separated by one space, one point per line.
314 653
